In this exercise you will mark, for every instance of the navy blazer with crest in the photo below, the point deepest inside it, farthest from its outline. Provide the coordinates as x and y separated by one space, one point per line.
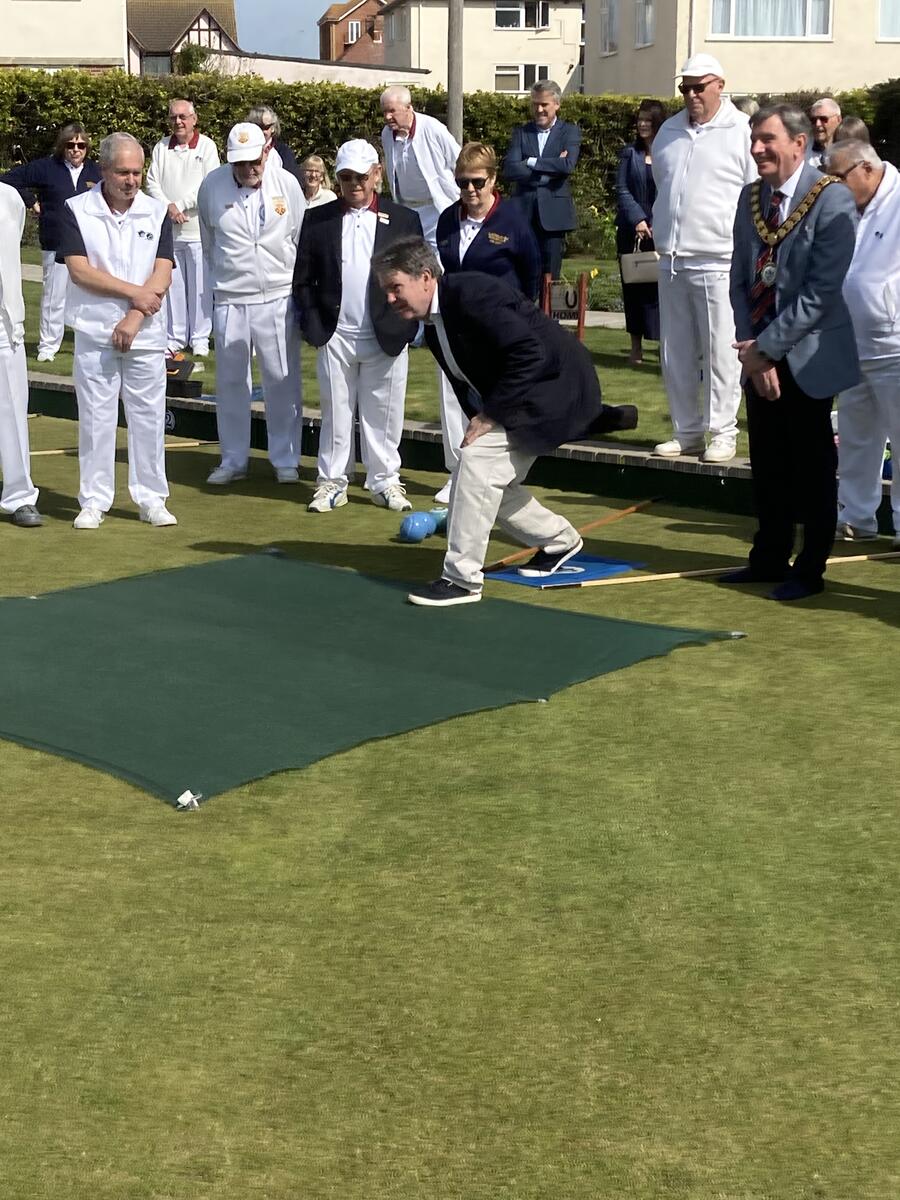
504 247
546 188
318 277
51 179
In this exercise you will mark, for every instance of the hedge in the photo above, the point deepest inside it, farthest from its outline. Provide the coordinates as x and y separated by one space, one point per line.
316 118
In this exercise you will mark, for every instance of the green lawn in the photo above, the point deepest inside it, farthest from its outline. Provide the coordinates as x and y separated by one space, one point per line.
637 943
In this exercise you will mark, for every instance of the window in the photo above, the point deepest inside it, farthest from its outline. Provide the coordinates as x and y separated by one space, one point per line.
519 78
889 25
644 23
608 40
522 14
156 64
354 28
771 18
396 25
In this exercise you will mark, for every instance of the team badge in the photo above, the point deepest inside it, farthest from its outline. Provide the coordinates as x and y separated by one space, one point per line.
280 205
243 138
497 239
89 183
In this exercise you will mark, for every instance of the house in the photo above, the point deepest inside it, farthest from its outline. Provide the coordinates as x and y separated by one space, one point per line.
507 44
49 35
637 46
352 32
157 30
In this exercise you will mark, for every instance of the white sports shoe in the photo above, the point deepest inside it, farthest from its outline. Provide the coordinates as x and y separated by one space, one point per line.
89 518
200 348
46 355
222 475
443 496
287 475
674 448
328 496
721 449
393 497
158 514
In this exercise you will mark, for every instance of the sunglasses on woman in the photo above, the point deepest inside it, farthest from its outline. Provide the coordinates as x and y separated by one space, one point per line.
76 145
477 184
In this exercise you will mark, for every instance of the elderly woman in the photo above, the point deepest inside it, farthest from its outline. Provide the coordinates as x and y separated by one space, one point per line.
315 182
46 184
635 193
267 119
485 233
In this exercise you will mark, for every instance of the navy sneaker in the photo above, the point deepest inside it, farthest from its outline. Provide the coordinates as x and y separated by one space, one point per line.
441 594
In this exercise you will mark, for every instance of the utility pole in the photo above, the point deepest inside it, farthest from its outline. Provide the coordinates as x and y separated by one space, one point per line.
455 68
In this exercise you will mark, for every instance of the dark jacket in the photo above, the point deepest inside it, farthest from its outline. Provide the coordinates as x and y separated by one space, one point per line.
504 247
635 193
533 377
288 158
317 274
546 188
50 180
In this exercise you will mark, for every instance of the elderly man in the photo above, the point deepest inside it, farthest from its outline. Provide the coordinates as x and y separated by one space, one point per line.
825 116
178 165
117 245
526 385
794 236
541 157
362 360
19 496
701 160
869 414
251 212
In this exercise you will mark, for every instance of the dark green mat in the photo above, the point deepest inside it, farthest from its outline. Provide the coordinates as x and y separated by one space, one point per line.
209 676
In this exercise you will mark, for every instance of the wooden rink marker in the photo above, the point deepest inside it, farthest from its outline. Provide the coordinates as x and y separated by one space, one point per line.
518 555
168 446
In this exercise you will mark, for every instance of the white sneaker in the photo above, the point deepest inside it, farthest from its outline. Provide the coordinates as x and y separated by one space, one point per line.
674 448
222 475
200 348
720 450
852 533
393 497
328 496
158 514
46 355
287 475
443 496
89 518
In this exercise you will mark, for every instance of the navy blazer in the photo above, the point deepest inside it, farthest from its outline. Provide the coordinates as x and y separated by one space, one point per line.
533 377
318 275
504 247
50 178
635 193
812 327
546 188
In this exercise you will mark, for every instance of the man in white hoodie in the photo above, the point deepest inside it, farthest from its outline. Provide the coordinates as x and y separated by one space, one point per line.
250 217
178 165
869 414
701 161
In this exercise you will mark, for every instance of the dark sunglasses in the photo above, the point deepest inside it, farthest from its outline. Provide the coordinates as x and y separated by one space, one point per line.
477 184
696 88
352 177
76 145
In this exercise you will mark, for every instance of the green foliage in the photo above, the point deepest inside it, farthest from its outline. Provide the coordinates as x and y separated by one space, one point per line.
191 58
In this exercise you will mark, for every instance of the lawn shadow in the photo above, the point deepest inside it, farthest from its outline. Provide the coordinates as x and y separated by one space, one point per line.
389 560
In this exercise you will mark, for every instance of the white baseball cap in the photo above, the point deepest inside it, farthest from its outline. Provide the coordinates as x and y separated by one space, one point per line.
246 143
356 155
701 64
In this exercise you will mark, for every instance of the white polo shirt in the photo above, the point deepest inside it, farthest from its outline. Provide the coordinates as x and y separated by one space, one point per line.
358 228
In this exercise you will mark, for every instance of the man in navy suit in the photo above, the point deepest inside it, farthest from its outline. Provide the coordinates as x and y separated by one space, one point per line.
541 157
794 236
526 386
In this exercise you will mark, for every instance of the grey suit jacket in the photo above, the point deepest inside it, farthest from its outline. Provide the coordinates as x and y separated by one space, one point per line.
812 329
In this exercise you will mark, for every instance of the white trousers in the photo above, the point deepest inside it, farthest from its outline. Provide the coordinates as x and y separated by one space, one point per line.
698 360
487 487
189 311
356 376
14 458
102 374
869 416
453 421
53 303
271 330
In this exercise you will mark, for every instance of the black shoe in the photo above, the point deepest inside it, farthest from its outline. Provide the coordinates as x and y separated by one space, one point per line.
27 517
613 419
544 563
797 589
748 575
442 593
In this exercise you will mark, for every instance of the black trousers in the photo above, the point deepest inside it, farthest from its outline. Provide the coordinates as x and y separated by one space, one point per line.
551 246
794 465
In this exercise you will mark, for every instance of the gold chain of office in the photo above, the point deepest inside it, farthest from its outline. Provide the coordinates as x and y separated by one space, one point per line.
773 237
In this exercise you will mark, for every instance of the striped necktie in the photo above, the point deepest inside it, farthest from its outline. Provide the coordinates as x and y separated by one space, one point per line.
762 295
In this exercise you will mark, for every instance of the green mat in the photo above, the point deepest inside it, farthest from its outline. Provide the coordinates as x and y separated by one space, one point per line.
206 677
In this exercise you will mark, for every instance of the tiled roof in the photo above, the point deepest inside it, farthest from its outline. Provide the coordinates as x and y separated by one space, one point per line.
158 24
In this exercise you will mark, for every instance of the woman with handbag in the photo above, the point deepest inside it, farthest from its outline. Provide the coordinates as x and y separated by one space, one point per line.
635 193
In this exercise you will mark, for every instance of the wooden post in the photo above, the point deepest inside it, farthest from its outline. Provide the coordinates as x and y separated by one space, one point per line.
546 288
582 304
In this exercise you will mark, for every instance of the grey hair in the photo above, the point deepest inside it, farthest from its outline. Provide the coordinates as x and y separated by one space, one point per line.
111 145
794 119
183 100
854 148
547 87
746 104
257 116
833 107
397 92
411 255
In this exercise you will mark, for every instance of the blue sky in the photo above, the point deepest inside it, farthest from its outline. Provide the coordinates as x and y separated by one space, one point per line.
280 26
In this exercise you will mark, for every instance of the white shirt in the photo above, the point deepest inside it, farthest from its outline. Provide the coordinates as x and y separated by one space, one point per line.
468 232
357 247
787 189
254 206
175 175
434 318
542 136
872 285
75 172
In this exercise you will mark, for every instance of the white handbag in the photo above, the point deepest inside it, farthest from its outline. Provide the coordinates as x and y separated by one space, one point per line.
641 266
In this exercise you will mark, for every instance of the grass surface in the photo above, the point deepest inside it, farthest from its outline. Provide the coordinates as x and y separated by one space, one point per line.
638 942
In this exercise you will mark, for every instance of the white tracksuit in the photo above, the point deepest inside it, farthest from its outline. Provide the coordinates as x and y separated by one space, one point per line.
18 489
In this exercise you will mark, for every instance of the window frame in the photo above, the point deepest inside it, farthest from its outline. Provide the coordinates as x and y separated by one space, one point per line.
649 7
520 68
885 37
542 15
350 40
771 37
610 10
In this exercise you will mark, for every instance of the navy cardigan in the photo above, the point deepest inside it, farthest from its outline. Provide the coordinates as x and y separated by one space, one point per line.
635 193
504 247
51 179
